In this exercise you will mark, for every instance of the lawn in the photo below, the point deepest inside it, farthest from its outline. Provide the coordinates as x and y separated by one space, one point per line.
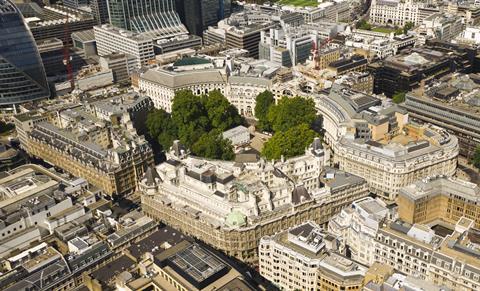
383 29
299 2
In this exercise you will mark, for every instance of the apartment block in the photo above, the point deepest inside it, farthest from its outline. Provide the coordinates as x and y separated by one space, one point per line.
305 257
356 227
407 248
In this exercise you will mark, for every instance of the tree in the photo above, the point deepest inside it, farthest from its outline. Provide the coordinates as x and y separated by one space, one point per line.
399 31
289 143
363 24
290 112
398 97
198 122
221 114
263 102
190 116
212 146
476 158
6 127
409 25
161 127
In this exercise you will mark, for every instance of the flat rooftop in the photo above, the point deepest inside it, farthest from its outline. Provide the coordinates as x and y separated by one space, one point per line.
371 206
157 242
197 263
434 186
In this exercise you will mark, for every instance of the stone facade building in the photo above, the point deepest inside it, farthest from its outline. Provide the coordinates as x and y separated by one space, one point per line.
439 197
374 139
357 226
398 12
232 205
305 257
83 142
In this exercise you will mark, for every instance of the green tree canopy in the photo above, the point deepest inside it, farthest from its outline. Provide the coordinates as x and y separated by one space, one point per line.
409 25
289 143
221 114
212 146
363 24
290 112
6 127
398 97
161 127
476 158
263 102
198 122
190 116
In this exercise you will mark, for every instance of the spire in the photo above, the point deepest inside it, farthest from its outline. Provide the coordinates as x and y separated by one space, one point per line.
151 175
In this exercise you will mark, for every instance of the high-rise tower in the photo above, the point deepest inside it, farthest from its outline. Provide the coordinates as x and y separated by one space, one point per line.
99 10
198 15
22 76
145 16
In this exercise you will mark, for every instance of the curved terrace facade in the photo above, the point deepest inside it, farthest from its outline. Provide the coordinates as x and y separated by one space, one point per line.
374 139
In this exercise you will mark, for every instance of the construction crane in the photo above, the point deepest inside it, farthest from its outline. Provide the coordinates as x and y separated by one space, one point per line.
67 59
315 51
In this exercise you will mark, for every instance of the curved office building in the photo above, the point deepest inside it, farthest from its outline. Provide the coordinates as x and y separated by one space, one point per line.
146 16
22 76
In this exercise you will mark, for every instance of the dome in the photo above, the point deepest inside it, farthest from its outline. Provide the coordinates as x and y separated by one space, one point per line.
236 218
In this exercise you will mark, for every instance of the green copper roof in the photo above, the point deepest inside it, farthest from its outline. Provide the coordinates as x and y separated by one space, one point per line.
236 218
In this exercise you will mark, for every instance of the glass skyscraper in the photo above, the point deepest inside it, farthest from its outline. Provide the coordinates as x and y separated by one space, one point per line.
198 15
22 76
146 16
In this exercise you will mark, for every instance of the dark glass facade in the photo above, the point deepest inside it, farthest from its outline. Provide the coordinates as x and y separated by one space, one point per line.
198 15
99 10
22 76
145 16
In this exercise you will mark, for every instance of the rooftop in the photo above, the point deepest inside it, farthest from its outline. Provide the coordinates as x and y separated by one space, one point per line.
84 35
192 263
197 263
180 79
415 59
188 61
308 236
155 243
370 205
337 179
439 185
107 272
417 233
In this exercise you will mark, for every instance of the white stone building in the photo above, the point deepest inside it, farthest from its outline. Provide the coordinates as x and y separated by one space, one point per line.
471 35
231 205
357 226
374 139
160 84
407 248
398 12
305 257
379 44
440 26
240 80
113 40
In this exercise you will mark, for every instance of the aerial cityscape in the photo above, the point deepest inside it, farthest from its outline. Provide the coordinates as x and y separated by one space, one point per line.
225 145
